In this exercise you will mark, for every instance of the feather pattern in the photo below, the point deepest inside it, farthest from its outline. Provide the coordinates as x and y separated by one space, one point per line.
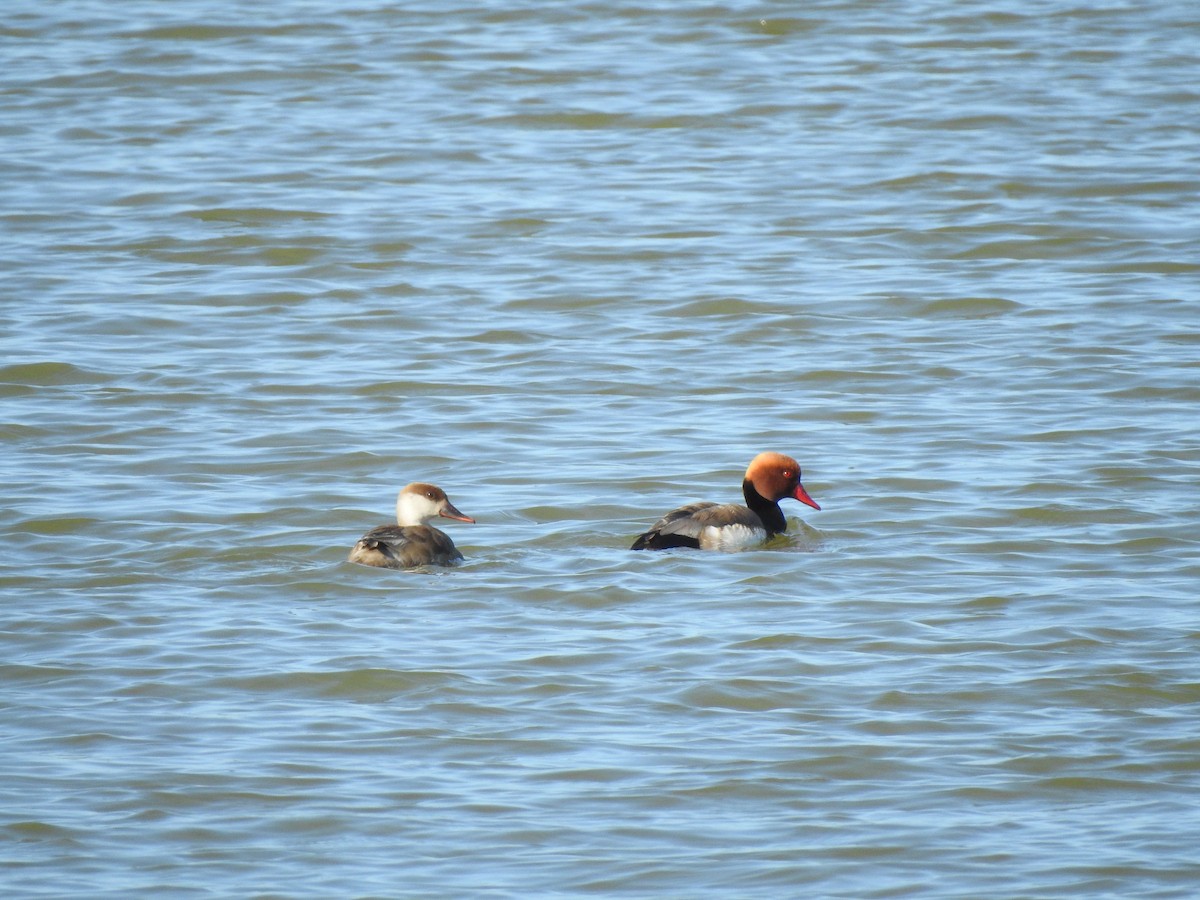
405 546
731 526
412 541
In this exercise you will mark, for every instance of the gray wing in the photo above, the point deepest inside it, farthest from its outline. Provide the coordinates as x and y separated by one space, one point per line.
683 521
683 527
692 519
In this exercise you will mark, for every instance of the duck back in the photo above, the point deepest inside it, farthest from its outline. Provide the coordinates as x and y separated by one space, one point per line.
405 546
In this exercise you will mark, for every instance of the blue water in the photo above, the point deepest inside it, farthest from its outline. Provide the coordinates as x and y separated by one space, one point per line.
577 263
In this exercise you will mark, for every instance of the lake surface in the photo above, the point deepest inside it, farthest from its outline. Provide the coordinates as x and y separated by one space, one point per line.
577 263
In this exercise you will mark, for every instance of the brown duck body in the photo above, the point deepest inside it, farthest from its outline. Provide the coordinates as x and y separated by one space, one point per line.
405 547
731 526
412 542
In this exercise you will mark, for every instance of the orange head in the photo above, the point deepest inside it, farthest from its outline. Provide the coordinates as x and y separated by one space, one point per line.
776 476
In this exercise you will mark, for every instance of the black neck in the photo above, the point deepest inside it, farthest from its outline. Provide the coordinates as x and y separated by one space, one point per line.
767 510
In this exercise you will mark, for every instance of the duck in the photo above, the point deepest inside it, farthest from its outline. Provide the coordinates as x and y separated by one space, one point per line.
412 541
769 478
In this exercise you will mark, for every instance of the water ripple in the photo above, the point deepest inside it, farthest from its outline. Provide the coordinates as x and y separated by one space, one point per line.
578 265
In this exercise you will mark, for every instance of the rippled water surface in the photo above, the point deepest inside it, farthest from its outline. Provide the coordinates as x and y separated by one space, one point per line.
577 263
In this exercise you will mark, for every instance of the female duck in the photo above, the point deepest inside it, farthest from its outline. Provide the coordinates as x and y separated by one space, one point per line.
411 541
730 526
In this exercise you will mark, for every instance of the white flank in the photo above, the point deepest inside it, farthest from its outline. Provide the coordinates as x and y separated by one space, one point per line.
731 537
